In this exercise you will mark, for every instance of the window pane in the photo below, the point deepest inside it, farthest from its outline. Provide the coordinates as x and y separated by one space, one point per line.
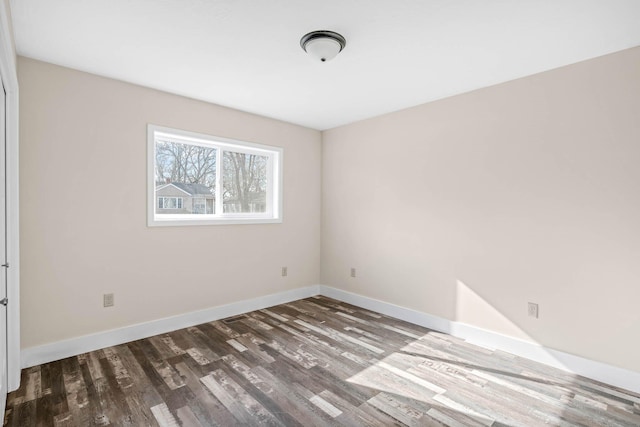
199 206
169 203
244 183
184 173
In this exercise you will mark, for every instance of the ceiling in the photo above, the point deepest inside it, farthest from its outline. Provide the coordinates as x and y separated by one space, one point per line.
246 54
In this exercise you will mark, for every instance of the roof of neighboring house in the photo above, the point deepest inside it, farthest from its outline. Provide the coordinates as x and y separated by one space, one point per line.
191 189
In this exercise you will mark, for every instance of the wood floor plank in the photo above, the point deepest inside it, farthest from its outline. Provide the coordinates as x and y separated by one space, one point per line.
312 362
227 398
97 415
43 411
141 395
186 418
163 416
205 406
25 414
77 396
290 400
58 391
382 418
403 412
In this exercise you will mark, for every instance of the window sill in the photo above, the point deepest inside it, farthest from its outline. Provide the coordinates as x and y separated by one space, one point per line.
173 222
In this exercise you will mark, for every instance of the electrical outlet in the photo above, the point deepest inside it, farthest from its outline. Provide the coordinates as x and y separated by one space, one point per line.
284 271
107 300
533 310
353 272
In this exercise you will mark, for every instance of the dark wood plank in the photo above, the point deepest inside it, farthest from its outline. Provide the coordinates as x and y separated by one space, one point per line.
313 362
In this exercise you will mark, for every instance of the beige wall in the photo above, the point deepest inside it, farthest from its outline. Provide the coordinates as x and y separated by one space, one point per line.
83 209
469 207
466 208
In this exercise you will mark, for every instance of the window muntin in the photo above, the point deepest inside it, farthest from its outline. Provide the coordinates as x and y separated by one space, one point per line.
220 181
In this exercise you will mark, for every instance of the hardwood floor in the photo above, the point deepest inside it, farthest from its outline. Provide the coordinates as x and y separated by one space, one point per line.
313 362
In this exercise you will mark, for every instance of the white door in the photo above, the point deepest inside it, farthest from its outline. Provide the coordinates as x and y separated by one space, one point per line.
3 255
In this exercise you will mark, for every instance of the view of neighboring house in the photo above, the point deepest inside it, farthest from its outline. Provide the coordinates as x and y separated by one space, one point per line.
183 198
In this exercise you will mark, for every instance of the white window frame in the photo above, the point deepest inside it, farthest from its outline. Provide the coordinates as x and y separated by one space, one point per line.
274 197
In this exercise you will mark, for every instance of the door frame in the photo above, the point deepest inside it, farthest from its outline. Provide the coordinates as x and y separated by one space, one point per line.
8 71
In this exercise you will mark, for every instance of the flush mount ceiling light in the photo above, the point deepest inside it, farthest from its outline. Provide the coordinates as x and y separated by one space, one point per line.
323 45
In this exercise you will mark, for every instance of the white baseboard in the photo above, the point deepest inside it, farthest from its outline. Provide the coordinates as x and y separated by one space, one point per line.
598 371
33 356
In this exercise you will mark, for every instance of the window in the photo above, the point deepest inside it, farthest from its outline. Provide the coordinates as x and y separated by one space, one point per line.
169 202
199 206
200 179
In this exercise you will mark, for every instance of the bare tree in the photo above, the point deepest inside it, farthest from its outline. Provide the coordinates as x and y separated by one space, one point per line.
191 164
244 180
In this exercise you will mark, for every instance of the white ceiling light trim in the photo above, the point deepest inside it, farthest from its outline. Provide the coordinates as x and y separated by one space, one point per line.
323 45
